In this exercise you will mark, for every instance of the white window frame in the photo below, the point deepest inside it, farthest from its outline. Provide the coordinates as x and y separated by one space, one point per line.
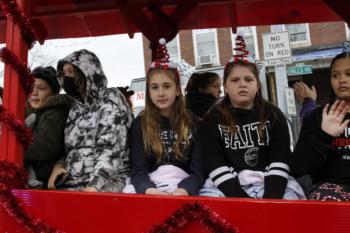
303 43
255 39
178 47
347 31
198 31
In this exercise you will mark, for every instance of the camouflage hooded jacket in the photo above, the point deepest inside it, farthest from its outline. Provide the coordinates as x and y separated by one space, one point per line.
97 153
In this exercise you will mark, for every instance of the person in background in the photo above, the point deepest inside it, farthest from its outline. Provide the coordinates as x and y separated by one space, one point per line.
47 121
307 96
165 154
202 91
97 153
323 149
245 140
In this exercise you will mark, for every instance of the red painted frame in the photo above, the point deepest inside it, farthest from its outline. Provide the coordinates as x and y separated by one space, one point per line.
14 96
76 212
98 212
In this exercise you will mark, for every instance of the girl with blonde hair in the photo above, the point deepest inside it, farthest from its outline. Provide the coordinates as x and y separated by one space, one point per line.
165 155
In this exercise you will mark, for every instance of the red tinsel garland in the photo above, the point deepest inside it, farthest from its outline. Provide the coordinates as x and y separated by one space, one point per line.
27 80
11 11
191 212
13 176
24 134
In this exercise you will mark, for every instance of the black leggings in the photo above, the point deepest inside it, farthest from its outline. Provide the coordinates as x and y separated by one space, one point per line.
330 192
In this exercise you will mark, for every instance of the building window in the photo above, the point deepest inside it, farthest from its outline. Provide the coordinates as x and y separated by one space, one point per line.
251 40
173 48
206 47
299 34
347 31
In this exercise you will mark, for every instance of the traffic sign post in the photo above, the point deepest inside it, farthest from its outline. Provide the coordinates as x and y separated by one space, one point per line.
277 49
290 101
299 69
278 62
277 53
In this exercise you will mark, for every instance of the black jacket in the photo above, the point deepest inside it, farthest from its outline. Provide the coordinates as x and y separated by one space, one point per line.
142 164
226 154
48 124
324 157
199 103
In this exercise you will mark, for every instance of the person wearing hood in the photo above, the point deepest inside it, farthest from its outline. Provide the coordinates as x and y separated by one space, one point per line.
97 154
202 91
49 112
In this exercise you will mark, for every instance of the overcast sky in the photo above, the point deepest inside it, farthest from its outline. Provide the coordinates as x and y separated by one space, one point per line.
121 57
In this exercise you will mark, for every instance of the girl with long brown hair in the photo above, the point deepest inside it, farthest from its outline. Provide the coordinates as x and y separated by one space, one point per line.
202 91
165 156
245 140
323 149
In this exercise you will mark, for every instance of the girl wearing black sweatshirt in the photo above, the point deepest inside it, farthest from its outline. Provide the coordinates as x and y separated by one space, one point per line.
245 141
202 91
165 156
323 149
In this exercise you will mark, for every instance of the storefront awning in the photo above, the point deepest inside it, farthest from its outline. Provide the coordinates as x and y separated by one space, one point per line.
321 54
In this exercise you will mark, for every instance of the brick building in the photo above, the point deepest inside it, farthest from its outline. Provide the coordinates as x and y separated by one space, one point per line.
312 44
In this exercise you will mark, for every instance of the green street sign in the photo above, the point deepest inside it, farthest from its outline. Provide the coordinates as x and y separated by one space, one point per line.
299 70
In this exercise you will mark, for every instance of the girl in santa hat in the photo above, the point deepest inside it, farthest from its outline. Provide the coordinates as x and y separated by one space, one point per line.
165 155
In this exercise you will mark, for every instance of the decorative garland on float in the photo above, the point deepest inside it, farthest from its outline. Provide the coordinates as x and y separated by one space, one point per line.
15 177
27 80
12 11
24 134
11 175
191 212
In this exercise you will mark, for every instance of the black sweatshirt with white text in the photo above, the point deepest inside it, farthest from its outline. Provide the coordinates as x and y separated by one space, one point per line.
226 154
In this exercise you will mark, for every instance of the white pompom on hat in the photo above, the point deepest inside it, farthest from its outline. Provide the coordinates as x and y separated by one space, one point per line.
162 57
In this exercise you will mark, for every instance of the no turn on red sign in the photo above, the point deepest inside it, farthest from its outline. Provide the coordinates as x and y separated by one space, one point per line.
277 48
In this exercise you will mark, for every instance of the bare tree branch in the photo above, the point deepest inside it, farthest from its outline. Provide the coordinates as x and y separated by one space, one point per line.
36 57
40 57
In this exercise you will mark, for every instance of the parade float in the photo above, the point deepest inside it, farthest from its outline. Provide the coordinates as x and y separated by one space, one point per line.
23 22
